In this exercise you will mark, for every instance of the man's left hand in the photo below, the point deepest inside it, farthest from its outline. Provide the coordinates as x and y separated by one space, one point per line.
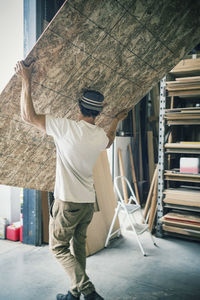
24 71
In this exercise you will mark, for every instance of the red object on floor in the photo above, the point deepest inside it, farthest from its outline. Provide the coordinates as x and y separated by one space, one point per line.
12 233
21 234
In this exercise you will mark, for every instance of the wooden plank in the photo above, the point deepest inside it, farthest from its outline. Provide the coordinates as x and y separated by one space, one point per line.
187 66
176 83
181 225
184 195
155 97
195 92
181 145
153 205
187 151
149 198
171 172
181 177
190 111
184 190
188 79
100 224
181 109
140 151
122 173
133 174
189 147
179 217
45 217
182 116
183 122
181 202
182 207
182 87
170 137
150 154
189 142
134 125
182 231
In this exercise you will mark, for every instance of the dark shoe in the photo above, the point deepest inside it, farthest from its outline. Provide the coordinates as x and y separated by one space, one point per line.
69 296
93 296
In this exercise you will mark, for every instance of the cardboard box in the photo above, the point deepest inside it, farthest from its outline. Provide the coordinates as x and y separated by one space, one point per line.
190 165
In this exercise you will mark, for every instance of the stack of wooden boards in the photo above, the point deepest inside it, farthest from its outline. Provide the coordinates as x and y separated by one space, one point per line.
184 86
183 147
186 197
176 175
184 224
181 203
182 116
189 67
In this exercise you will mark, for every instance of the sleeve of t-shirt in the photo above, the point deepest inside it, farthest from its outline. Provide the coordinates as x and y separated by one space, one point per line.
56 127
105 140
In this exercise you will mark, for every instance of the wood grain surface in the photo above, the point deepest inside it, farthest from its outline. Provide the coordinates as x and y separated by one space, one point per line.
121 48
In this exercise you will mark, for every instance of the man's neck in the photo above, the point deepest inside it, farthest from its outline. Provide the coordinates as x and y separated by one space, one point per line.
90 120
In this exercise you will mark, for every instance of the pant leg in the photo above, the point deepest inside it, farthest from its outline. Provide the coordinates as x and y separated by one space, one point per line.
80 235
63 222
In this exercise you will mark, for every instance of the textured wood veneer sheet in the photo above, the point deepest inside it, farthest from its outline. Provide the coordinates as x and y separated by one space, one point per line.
121 48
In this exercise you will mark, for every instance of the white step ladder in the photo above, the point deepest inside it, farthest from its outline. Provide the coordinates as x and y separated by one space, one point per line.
129 209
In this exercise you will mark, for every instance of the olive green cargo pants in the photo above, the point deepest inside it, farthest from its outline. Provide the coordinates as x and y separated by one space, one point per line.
67 240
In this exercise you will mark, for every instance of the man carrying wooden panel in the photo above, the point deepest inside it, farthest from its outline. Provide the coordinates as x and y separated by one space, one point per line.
78 145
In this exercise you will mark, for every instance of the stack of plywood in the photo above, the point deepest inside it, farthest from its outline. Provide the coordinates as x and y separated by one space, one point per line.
182 203
182 196
189 116
184 86
176 175
183 147
184 224
187 67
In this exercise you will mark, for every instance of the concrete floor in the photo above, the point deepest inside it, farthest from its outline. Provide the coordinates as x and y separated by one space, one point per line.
119 272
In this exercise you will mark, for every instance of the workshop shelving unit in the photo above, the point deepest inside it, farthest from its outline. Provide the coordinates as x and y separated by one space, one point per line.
178 210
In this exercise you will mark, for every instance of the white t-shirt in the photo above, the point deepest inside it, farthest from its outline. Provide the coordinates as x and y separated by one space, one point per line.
78 145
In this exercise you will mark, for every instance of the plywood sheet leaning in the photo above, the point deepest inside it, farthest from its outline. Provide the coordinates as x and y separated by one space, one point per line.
121 48
99 227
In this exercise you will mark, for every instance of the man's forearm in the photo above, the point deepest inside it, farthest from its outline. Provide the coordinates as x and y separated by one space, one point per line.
112 131
27 108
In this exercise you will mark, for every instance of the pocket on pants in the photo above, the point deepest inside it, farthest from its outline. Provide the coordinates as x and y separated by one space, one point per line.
71 217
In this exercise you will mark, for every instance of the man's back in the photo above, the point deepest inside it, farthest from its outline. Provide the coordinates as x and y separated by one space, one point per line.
78 145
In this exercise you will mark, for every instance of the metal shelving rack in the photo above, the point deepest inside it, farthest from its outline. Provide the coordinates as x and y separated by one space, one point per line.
163 180
159 232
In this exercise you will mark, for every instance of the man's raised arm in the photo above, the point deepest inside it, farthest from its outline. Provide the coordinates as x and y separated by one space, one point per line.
113 127
28 113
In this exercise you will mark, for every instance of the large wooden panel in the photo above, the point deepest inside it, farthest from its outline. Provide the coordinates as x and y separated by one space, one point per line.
102 219
121 48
